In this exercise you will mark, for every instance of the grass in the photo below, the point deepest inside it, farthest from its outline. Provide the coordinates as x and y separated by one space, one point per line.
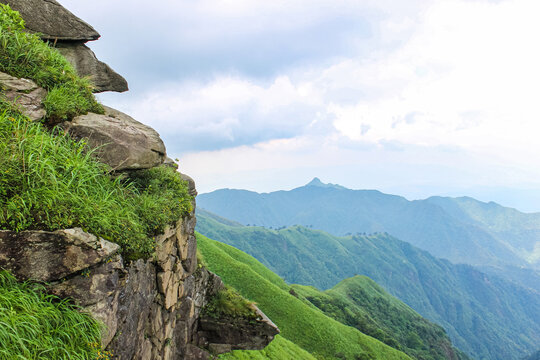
299 323
279 349
37 326
228 302
26 55
49 181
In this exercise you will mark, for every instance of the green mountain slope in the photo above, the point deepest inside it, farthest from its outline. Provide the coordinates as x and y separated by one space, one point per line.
361 303
484 315
306 326
463 231
279 349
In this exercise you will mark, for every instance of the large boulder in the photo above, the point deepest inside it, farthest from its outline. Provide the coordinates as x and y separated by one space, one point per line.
123 143
47 256
68 33
25 93
52 20
86 63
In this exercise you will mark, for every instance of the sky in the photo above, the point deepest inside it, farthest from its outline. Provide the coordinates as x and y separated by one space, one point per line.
414 98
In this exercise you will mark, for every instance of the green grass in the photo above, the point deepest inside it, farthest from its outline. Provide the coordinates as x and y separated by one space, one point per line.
37 326
228 302
279 349
49 182
307 327
25 55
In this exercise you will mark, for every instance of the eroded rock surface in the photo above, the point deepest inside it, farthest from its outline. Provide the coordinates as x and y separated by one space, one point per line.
25 93
152 308
124 143
52 20
86 63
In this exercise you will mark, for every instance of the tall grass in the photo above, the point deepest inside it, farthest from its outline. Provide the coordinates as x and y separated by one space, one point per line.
25 55
37 326
49 181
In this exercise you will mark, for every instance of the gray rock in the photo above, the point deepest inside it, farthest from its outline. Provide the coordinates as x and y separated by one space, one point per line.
24 93
48 256
124 143
85 62
52 20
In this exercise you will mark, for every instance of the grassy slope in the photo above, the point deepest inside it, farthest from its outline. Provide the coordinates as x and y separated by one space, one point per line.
484 316
361 303
279 349
299 323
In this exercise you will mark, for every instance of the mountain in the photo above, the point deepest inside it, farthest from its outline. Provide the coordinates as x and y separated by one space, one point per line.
484 315
462 230
361 303
304 325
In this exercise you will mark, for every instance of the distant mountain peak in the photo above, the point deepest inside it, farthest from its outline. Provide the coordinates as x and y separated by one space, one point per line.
317 182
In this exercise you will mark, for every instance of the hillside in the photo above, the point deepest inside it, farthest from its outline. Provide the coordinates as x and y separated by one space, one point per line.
361 303
485 316
299 323
462 230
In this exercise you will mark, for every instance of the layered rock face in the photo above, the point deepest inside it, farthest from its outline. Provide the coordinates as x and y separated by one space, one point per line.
69 34
152 309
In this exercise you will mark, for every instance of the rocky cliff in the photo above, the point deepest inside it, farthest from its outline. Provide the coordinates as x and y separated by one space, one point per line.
152 308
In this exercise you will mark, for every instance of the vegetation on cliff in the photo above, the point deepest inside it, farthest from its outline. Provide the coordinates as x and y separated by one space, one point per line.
49 182
298 321
34 325
24 55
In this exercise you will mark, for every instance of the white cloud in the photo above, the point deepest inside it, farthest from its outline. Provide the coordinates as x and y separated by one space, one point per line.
437 75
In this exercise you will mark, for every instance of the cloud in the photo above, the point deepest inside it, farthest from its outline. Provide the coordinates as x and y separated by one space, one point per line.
228 112
243 88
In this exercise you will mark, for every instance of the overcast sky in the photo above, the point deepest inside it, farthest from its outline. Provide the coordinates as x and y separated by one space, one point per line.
415 98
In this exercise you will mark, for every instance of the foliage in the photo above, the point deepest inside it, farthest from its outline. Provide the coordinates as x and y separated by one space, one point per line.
49 182
485 316
34 325
228 302
279 349
24 55
299 322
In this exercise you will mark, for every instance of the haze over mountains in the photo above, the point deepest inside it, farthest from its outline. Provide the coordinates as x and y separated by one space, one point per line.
462 230
490 310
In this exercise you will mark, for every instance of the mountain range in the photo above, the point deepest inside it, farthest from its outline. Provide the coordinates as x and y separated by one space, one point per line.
486 316
463 230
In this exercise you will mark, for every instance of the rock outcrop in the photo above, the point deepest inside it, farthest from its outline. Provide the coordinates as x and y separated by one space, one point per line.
87 64
122 142
25 93
152 309
68 33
